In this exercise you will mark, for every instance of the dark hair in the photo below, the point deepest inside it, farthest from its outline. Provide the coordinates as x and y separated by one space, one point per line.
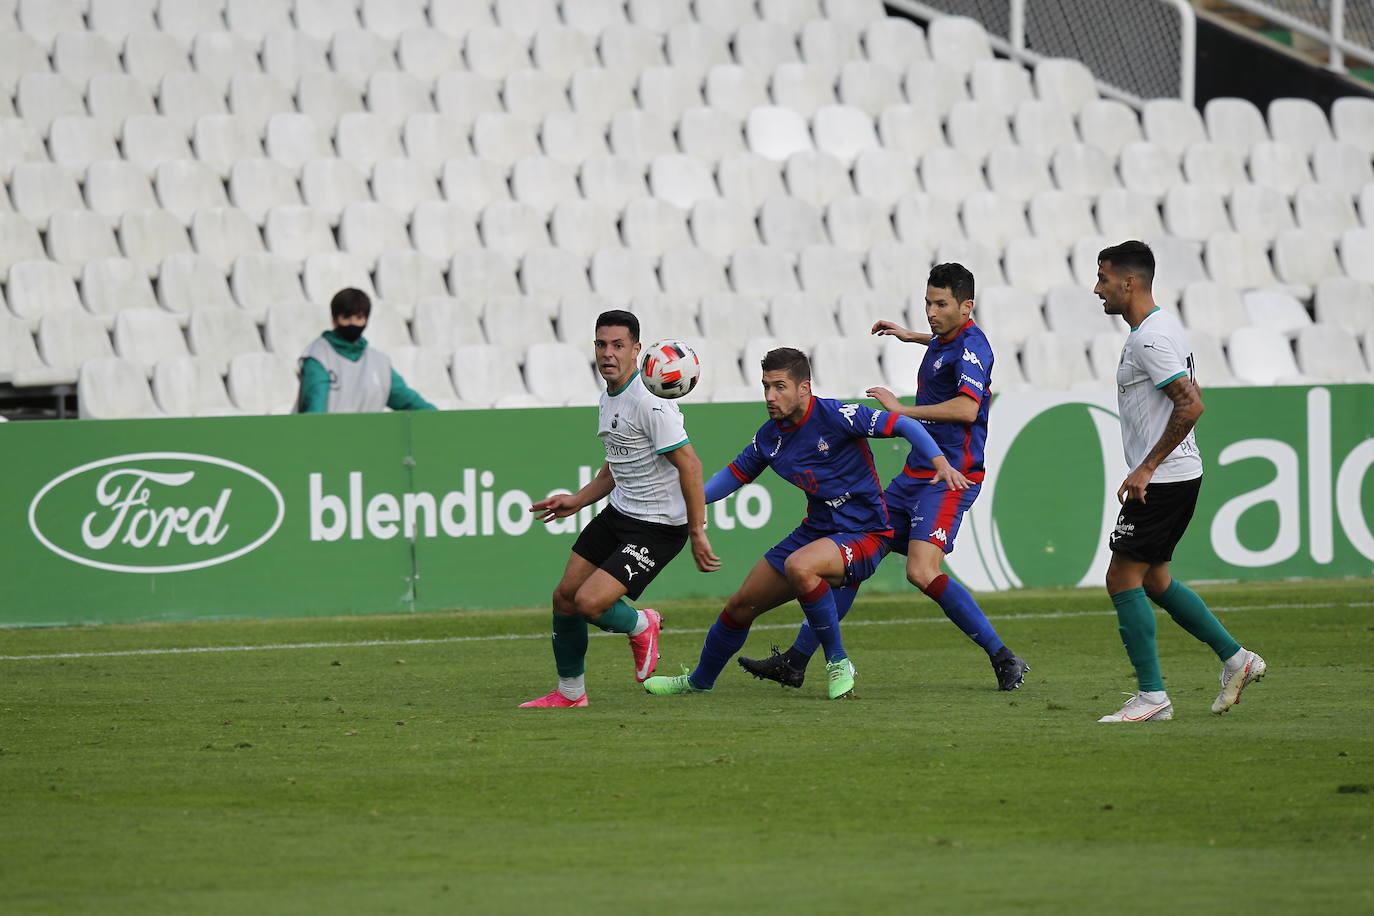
954 277
795 362
619 318
1133 257
349 302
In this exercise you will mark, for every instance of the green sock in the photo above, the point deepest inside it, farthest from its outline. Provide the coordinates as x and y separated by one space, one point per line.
620 617
1191 612
570 644
1137 624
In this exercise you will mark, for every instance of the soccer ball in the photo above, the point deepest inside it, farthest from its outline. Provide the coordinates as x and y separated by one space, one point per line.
670 369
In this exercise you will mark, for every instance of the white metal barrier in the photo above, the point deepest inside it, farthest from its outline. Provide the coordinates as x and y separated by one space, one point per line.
1334 24
1136 49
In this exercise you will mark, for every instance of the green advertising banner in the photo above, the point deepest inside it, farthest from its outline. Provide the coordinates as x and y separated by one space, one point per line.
385 513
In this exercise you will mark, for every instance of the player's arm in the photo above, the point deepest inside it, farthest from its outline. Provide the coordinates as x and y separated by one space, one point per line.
1188 407
561 505
925 446
885 328
961 408
688 465
314 393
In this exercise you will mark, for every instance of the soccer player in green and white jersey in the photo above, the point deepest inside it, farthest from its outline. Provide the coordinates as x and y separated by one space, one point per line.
1159 403
657 504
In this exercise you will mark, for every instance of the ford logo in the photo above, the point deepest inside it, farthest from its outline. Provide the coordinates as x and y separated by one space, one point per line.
156 512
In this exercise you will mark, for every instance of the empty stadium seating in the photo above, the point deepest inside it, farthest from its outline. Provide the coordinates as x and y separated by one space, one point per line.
187 184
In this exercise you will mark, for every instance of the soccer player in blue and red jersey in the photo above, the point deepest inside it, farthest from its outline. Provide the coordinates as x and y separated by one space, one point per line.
953 392
818 445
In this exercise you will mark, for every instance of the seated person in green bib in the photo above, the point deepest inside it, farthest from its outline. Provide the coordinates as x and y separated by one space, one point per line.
340 373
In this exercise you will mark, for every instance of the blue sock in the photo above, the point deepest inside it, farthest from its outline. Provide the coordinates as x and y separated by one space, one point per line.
824 617
806 643
960 607
723 641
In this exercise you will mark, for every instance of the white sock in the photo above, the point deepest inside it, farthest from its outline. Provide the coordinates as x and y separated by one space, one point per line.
1237 661
641 624
1154 696
572 687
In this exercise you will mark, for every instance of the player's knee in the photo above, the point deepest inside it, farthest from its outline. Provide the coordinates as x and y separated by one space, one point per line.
1157 582
800 575
588 606
920 578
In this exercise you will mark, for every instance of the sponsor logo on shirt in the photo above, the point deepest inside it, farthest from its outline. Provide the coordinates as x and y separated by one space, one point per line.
971 357
839 501
848 410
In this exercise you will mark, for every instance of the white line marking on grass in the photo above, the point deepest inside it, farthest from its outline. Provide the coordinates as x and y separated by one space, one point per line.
501 637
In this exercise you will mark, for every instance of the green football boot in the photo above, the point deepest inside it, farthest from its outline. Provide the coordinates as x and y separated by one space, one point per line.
666 685
841 674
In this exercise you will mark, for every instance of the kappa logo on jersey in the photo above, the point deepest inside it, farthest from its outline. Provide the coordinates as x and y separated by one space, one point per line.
848 411
822 446
848 555
940 535
971 357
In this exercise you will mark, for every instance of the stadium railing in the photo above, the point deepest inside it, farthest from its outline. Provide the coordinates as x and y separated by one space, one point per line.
1164 39
1335 29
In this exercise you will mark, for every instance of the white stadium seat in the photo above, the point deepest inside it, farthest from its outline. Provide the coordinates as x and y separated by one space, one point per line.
40 189
191 281
487 376
110 388
857 223
1065 82
582 226
803 88
289 327
1356 248
870 87
187 185
1173 124
76 142
1074 311
680 180
883 175
1304 259
897 268
1037 265
845 367
1003 84
749 179
1043 127
721 224
1330 353
994 219
894 41
1018 172
1299 122
259 280
735 89
762 270
828 43
74 237
144 336
1009 313
1324 210
263 383
639 136
652 225
844 131
951 173
1061 216
1213 308
442 323
258 185
1150 167
512 227
816 177
1055 361
710 133
958 42
1235 122
776 133
621 274
1238 261
561 374
926 219
480 273
790 223
598 94
975 128
542 182
185 386
1342 166
324 273
561 51
1340 301
329 184
1352 121
1194 213
911 129
1260 212
1277 311
547 273
224 233
1263 356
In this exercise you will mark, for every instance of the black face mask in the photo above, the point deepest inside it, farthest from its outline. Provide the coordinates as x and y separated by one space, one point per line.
350 332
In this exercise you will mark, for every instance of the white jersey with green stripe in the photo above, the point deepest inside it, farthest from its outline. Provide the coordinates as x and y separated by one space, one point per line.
638 430
1156 353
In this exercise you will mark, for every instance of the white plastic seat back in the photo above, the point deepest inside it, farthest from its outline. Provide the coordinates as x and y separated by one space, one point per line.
110 388
263 383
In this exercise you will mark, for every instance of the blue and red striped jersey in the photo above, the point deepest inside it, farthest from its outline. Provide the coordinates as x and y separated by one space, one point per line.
961 365
827 456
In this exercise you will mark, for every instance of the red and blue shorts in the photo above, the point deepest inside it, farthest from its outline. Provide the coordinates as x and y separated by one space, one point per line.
862 551
924 510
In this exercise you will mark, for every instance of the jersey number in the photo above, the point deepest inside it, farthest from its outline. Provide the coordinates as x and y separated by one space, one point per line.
807 481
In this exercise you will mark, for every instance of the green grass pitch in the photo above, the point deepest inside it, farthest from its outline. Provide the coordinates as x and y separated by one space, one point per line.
390 772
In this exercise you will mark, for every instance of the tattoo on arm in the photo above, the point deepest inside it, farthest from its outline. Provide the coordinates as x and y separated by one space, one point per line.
1187 408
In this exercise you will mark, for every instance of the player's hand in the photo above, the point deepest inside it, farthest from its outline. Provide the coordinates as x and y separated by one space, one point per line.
951 478
885 328
885 398
1133 487
705 558
559 505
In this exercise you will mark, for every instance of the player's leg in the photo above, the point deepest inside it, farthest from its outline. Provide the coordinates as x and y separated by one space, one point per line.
789 668
1240 667
569 637
1136 624
763 589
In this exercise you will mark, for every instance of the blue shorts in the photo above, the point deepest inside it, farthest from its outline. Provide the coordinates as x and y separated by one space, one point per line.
862 551
923 510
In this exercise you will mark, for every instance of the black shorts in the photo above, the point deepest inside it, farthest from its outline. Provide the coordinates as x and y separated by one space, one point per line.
632 551
1149 531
